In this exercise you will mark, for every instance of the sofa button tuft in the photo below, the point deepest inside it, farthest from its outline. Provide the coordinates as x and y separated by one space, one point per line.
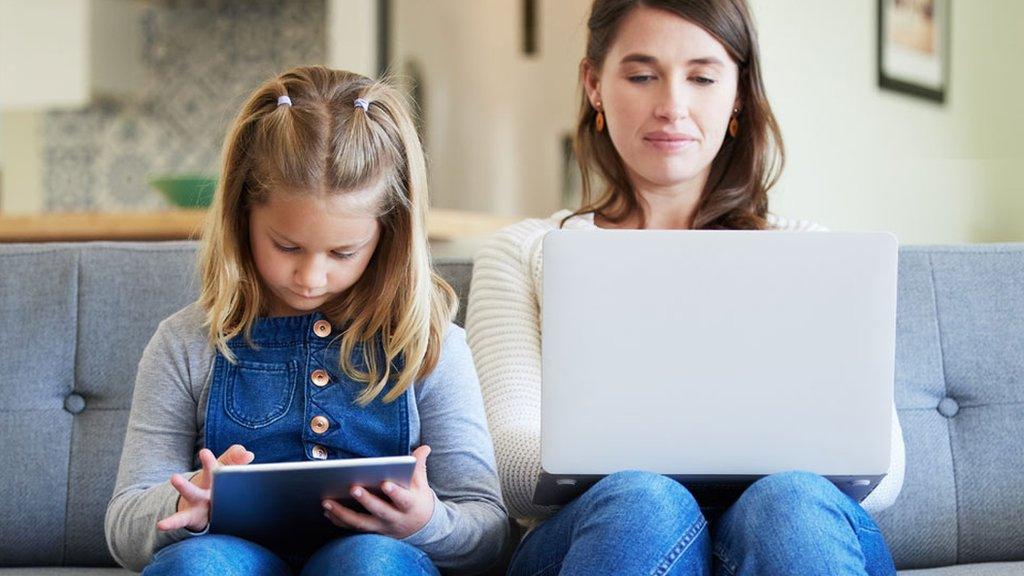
74 403
948 407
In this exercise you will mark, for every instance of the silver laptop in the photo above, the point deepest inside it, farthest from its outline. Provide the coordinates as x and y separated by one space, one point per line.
716 358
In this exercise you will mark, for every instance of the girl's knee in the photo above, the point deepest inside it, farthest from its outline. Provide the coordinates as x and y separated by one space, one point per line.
216 555
369 554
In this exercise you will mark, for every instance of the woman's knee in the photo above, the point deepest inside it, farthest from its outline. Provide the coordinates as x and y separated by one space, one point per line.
795 492
795 517
787 504
645 493
215 554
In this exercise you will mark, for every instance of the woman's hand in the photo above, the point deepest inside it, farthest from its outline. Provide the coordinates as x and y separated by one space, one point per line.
194 494
401 513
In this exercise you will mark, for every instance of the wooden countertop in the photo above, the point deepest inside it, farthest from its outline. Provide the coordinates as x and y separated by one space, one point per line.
183 224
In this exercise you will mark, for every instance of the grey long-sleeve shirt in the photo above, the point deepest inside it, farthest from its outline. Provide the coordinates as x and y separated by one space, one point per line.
166 429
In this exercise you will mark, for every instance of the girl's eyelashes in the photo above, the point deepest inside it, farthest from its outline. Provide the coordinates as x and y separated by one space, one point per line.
286 249
334 253
703 80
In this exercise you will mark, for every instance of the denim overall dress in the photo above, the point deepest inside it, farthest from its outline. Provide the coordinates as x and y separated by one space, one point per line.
287 399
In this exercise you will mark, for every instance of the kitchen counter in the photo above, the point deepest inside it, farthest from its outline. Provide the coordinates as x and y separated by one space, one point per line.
442 225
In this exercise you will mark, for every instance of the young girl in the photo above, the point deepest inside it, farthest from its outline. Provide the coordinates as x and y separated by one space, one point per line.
321 332
674 119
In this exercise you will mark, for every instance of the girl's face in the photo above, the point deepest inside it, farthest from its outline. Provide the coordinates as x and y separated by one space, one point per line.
667 89
310 249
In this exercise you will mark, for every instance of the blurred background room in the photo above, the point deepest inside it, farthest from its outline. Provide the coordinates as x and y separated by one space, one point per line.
898 115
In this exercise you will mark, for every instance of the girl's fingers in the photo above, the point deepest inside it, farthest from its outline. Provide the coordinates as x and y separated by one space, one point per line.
401 498
346 518
236 454
419 473
176 521
374 505
209 461
188 490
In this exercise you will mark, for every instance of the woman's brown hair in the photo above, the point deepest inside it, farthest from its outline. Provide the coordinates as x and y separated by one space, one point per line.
736 193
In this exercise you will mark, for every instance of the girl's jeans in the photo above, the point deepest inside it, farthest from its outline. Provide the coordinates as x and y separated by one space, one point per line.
358 555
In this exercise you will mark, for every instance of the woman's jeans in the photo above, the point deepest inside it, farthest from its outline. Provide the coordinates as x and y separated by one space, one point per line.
641 523
356 555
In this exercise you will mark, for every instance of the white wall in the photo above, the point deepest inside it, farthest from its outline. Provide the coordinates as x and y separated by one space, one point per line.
352 36
494 116
36 64
863 158
22 166
858 157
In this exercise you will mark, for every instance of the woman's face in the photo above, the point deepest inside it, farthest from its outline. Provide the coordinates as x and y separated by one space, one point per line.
667 89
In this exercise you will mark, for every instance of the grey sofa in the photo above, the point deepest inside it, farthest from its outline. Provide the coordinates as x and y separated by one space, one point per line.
74 319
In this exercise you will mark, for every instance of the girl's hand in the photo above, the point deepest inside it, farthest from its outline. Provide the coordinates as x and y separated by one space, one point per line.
194 500
401 513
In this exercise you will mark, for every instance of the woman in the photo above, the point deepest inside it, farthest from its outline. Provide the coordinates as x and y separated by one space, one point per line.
675 121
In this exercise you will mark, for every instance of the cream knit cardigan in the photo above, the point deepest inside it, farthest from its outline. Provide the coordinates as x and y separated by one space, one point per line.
503 327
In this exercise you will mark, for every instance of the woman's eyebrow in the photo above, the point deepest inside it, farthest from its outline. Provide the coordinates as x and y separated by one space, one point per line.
639 58
648 59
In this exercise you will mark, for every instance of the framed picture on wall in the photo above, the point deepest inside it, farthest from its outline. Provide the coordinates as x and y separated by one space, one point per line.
913 47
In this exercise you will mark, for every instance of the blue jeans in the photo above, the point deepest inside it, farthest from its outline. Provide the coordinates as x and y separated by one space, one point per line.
628 523
642 523
358 555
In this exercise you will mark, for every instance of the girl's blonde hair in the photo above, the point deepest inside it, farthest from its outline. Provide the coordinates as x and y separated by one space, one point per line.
323 144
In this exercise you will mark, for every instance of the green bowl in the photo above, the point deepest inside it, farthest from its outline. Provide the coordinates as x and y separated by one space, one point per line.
186 191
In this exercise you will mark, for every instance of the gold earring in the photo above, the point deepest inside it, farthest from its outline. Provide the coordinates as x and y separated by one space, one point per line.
599 121
734 124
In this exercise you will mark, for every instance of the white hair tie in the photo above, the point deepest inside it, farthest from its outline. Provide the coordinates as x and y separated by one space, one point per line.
360 103
284 100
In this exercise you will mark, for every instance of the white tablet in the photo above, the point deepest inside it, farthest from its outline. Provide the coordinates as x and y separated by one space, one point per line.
280 506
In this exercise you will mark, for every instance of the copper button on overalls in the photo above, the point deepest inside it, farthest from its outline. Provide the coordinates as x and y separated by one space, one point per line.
319 452
320 378
319 424
322 328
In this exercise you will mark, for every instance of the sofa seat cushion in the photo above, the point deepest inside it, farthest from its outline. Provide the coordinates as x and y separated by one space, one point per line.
989 569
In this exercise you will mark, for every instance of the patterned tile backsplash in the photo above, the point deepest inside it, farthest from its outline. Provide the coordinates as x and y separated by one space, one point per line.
201 57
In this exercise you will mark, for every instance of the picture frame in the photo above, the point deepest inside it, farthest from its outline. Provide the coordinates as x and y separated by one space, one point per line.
913 47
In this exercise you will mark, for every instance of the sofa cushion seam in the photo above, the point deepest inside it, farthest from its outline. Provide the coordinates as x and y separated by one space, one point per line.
949 423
